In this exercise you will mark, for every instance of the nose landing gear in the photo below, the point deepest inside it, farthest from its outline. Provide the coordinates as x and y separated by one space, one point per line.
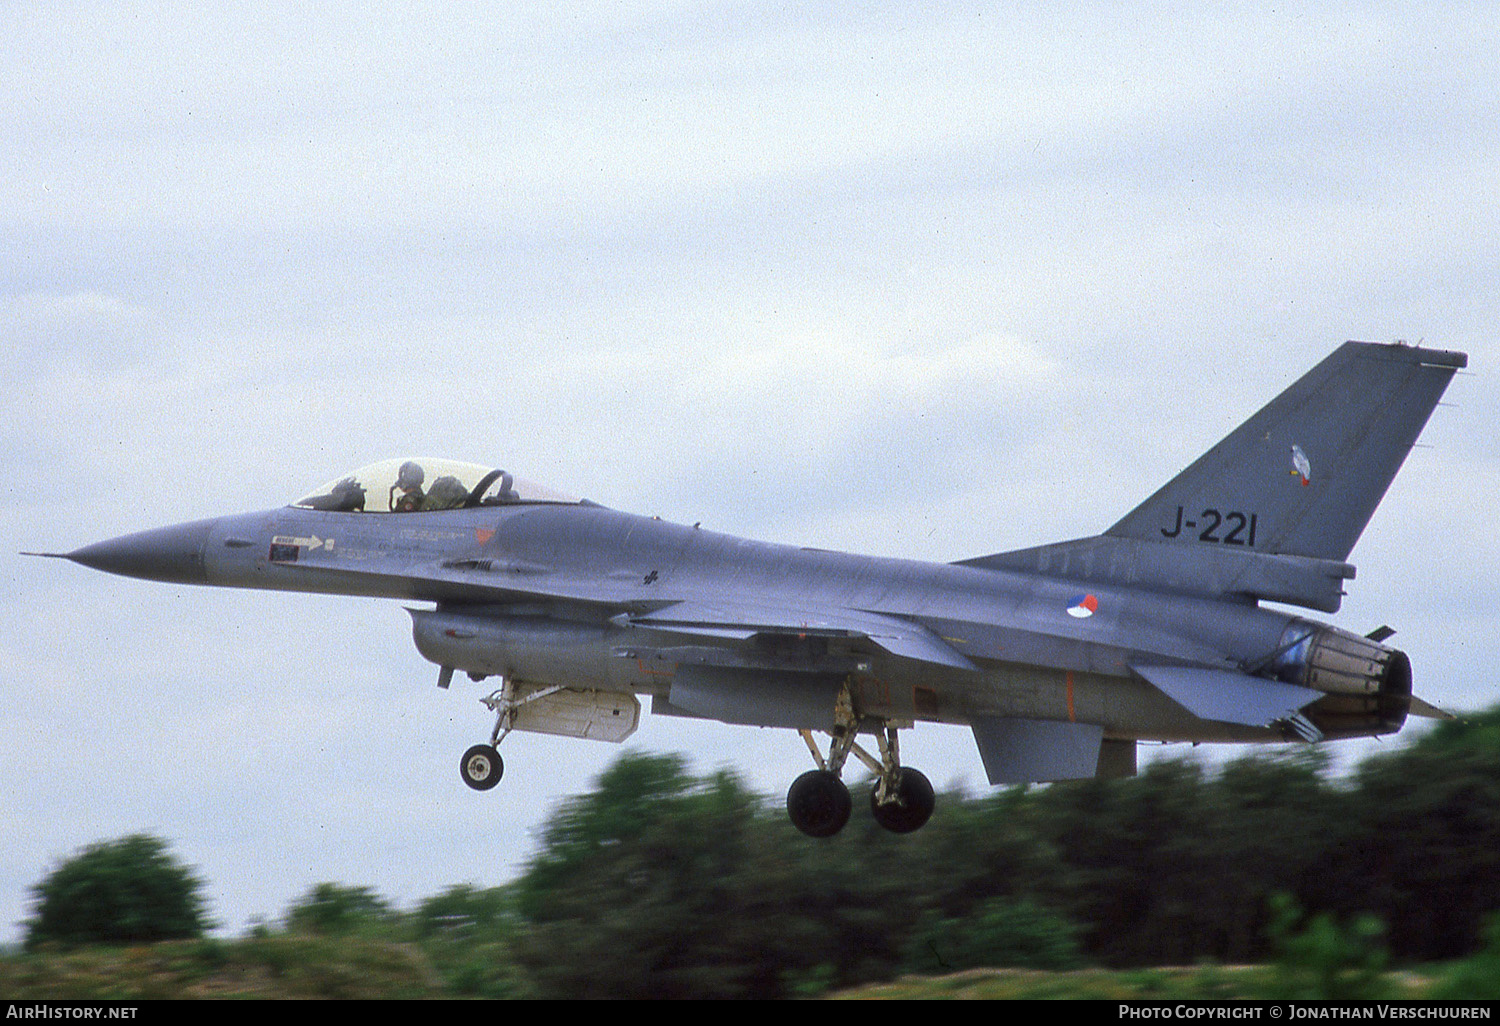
481 766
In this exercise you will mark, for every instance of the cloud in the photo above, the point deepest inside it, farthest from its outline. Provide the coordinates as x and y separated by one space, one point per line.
92 329
880 278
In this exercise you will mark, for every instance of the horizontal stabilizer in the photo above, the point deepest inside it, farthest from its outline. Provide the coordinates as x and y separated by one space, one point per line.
1228 697
1428 710
1017 751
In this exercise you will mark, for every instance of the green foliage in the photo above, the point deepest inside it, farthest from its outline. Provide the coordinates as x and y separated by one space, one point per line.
463 912
658 883
705 890
1478 976
639 891
351 967
1323 960
344 967
1139 859
990 847
129 891
1174 867
470 934
1000 932
330 909
630 796
480 970
1423 851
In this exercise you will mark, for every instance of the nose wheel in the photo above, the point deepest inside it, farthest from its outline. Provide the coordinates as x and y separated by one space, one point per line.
482 767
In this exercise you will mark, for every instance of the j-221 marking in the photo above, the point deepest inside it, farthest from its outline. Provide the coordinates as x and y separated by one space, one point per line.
1239 528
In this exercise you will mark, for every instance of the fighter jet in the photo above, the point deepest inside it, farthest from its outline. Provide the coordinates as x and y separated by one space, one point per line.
1058 658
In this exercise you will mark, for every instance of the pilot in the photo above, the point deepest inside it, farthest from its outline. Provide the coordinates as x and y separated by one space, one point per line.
348 496
446 493
409 482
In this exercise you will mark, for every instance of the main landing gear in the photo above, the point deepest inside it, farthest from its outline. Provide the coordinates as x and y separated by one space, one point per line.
818 801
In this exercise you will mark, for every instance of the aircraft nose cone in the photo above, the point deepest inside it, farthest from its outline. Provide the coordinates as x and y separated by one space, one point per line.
173 554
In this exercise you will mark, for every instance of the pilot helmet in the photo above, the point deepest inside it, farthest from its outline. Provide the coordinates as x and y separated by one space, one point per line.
410 476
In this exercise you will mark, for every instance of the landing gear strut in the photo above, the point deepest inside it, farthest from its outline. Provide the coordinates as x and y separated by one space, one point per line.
481 766
909 808
818 801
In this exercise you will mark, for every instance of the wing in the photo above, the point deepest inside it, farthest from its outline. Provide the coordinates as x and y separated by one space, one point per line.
770 666
735 622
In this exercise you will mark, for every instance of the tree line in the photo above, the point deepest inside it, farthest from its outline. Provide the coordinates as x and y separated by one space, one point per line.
661 883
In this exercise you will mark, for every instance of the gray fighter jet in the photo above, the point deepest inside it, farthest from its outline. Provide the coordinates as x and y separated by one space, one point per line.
1059 658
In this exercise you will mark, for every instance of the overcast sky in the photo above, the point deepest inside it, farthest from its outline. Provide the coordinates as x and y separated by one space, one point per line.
921 280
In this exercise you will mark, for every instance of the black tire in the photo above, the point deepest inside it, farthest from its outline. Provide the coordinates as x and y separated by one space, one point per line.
482 767
913 807
819 803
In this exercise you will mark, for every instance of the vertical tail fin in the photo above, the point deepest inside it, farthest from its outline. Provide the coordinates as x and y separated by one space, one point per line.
1303 476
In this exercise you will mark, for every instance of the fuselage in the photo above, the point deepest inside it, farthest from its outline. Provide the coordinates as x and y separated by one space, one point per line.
554 579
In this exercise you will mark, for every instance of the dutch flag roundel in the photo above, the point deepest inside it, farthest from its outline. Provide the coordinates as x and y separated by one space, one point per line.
1083 606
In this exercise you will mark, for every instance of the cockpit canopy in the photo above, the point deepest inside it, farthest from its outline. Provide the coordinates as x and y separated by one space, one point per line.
424 486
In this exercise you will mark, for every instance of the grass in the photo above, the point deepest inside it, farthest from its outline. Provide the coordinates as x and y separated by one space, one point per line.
292 966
